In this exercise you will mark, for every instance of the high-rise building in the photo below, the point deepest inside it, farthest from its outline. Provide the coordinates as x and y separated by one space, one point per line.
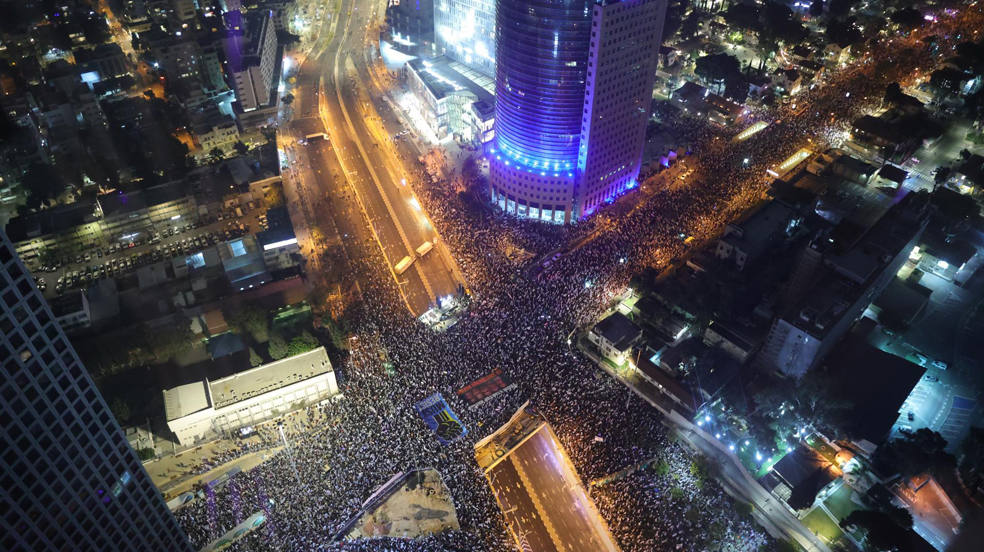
411 23
70 479
251 58
573 89
464 30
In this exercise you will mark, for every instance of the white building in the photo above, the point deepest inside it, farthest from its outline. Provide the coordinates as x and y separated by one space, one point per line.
203 409
614 337
214 129
621 72
252 61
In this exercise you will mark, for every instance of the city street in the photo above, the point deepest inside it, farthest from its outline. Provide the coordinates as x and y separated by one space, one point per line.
328 99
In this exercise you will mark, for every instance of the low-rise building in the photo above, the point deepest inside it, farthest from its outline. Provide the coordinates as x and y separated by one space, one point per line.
208 409
105 61
214 129
71 310
614 336
746 240
834 281
279 243
447 92
734 340
243 263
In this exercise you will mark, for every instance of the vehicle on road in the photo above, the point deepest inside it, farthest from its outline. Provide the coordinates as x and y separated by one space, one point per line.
425 248
404 264
316 136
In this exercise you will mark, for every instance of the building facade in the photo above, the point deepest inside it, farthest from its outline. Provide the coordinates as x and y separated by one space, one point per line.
251 58
411 23
204 409
573 87
464 30
71 480
621 73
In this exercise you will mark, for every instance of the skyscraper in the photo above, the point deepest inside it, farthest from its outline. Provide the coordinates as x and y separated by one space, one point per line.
464 30
70 479
574 83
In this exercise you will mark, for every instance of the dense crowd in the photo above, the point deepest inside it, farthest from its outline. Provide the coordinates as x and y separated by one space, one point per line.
343 450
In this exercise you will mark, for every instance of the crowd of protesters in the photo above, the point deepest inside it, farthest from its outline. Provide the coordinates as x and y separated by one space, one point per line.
521 322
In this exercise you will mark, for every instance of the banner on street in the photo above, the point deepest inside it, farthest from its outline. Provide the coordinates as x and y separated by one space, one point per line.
483 389
438 416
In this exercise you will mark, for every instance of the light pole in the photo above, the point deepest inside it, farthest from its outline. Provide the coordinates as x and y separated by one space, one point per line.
283 436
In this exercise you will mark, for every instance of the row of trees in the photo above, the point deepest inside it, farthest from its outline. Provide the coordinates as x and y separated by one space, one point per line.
105 356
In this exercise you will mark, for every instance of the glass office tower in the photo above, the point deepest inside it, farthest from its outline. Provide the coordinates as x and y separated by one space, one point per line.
70 479
464 30
544 122
542 53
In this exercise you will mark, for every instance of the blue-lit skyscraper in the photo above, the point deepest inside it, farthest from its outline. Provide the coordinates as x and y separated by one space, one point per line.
573 86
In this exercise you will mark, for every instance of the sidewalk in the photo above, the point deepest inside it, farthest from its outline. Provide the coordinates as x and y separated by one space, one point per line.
245 463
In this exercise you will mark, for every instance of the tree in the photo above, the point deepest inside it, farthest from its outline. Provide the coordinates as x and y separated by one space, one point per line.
690 25
972 457
778 22
216 155
43 183
946 80
941 174
277 347
883 530
240 147
893 92
736 88
302 344
816 8
914 453
908 18
165 343
288 99
743 15
254 359
252 320
839 8
146 454
843 32
273 197
716 68
120 409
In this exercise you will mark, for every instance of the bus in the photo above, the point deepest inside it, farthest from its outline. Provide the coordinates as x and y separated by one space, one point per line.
404 264
425 248
316 136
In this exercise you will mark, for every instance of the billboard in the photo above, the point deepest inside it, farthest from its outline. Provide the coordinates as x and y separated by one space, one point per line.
481 390
438 416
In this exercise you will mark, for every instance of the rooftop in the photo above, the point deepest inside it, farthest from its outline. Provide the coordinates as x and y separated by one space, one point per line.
893 173
875 382
618 330
120 203
185 399
443 78
269 377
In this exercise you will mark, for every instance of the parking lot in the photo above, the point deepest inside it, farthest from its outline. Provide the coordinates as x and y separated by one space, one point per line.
126 256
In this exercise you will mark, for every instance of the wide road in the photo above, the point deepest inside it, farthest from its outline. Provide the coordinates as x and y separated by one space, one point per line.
543 498
330 96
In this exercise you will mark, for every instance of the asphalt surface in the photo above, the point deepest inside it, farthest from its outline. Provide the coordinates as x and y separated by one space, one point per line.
331 97
544 501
